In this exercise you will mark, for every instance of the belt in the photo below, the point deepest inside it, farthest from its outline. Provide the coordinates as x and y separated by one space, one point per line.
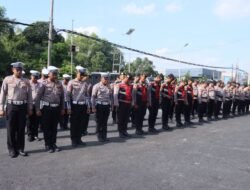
103 103
79 102
125 101
50 104
14 102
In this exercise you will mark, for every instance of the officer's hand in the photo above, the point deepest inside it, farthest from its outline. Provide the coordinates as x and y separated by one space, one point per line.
69 111
39 113
93 110
62 112
2 113
30 113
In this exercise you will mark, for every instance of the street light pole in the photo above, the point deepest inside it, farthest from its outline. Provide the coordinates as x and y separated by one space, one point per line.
129 32
187 44
50 33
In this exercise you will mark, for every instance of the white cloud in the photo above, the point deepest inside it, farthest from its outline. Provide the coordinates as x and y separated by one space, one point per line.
88 30
132 8
173 7
232 9
111 30
162 51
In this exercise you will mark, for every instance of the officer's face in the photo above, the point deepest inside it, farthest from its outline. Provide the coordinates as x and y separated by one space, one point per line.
17 72
105 80
143 78
53 75
34 78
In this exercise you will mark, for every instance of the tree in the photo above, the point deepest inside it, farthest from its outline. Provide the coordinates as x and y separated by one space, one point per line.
141 66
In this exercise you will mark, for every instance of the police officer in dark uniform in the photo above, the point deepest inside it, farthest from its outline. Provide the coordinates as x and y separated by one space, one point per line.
33 120
167 100
123 101
154 102
140 97
211 100
218 99
16 92
101 101
195 99
135 82
50 105
80 105
180 101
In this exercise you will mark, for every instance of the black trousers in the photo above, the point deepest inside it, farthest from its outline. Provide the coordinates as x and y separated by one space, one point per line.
188 110
123 113
85 123
210 108
166 108
102 115
179 109
78 116
153 112
202 109
241 107
217 108
114 114
235 106
140 113
50 119
33 124
15 124
172 110
227 108
247 103
64 119
195 107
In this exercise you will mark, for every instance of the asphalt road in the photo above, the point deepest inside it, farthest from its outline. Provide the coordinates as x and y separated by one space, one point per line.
213 156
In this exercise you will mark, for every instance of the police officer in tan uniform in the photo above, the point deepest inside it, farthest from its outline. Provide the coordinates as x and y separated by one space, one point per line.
64 120
16 92
101 101
80 105
33 120
50 106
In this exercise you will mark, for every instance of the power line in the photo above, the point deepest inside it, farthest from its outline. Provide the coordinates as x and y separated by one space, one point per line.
127 48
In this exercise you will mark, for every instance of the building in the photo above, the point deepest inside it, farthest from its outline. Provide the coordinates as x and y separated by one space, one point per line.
196 73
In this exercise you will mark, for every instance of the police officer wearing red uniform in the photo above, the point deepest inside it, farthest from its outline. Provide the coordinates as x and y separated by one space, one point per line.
154 102
123 101
167 100
140 97
180 101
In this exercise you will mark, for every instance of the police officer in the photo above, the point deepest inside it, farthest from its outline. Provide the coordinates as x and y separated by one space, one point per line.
226 100
64 120
211 101
80 105
16 92
86 119
140 99
189 105
123 101
203 100
195 98
101 102
236 98
218 99
44 75
154 102
180 98
33 120
50 106
135 83
167 100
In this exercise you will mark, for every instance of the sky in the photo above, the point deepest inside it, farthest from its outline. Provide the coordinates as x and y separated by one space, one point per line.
216 31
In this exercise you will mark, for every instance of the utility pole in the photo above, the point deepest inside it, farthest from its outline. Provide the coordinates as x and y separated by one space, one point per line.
71 50
50 33
129 32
